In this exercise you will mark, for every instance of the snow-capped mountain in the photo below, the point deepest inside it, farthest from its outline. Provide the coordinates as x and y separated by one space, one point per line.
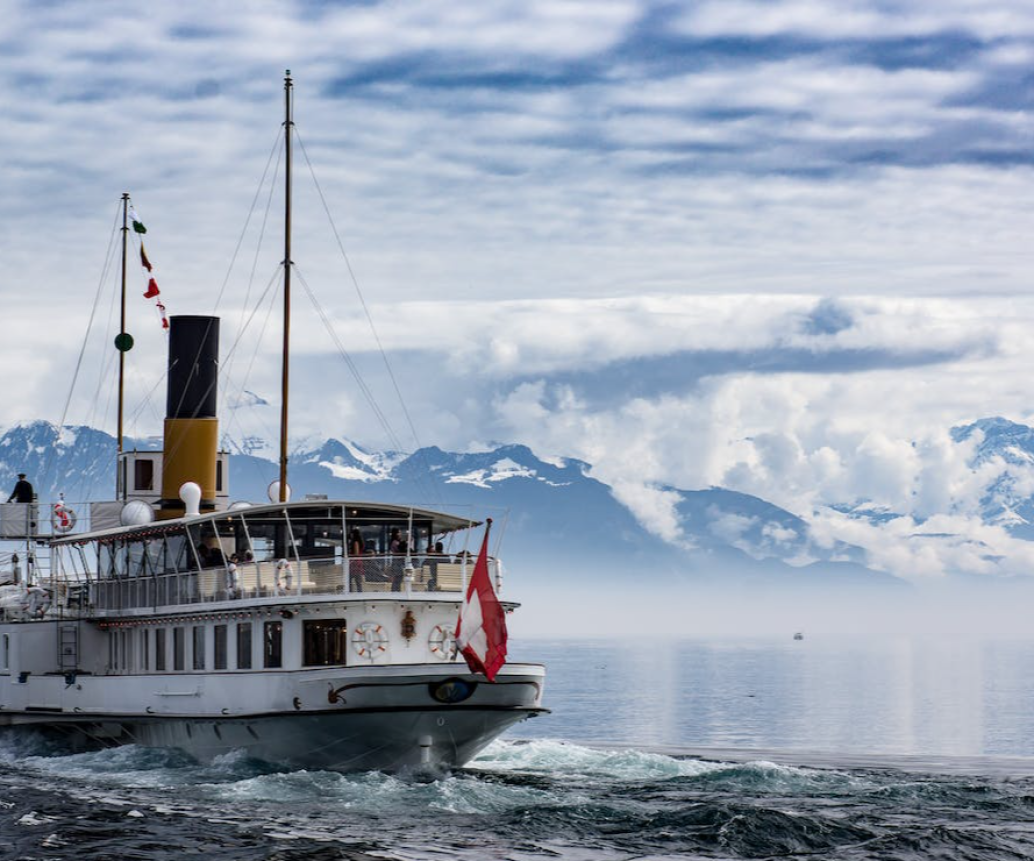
1004 452
553 513
557 515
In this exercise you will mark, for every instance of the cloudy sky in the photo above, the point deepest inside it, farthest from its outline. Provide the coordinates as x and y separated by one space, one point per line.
781 247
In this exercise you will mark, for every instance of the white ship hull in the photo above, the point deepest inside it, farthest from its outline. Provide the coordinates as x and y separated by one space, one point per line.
384 739
344 719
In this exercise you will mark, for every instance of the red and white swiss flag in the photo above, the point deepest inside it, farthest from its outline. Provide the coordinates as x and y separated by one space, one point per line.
481 629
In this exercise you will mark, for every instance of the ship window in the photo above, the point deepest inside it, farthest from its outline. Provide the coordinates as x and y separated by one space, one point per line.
220 647
159 649
244 645
143 474
7 652
175 554
326 642
219 476
177 649
199 647
272 643
145 649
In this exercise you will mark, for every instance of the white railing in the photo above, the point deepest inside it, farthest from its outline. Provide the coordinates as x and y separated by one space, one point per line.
251 580
24 520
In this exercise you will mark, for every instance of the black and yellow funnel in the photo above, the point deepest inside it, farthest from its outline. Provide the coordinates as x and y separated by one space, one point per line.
191 425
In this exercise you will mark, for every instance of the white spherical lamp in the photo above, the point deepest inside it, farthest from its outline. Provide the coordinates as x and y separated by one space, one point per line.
136 512
190 493
273 492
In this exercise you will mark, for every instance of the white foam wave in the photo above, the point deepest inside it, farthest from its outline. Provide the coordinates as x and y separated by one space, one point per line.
507 776
34 818
563 759
375 792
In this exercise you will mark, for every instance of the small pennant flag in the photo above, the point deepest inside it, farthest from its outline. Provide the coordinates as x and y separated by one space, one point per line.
143 258
161 310
138 225
152 289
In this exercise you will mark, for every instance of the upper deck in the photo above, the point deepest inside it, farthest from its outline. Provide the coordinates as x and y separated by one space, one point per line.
257 552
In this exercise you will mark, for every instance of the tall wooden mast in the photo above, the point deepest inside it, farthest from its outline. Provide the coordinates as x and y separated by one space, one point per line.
288 126
122 344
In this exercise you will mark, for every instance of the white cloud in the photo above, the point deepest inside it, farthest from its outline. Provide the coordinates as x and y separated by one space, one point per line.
654 508
532 194
855 19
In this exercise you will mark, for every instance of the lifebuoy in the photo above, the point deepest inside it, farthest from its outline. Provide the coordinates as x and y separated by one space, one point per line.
442 642
369 640
62 518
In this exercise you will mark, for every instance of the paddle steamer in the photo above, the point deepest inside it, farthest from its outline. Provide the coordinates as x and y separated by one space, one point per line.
315 633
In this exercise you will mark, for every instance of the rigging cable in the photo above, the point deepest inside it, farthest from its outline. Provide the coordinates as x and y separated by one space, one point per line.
273 294
247 221
369 318
48 463
381 417
240 241
233 348
254 265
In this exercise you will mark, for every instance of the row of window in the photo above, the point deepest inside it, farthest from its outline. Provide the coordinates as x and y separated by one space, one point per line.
324 643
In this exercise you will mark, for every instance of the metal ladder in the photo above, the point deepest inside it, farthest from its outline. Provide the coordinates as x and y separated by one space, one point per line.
68 645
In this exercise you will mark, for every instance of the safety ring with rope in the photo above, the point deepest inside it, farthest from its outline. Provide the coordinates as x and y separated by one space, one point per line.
62 518
369 639
442 642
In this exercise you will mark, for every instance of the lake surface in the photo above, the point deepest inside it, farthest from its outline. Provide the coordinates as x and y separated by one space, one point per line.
832 748
955 696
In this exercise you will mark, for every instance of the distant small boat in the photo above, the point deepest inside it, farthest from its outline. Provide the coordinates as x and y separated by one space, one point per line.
798 636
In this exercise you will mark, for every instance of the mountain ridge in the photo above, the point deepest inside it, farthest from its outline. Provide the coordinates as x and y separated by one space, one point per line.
556 511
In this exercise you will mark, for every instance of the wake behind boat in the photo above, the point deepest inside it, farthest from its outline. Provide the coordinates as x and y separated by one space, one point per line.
318 633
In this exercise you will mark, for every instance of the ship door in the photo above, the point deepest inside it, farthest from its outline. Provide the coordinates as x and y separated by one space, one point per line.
68 646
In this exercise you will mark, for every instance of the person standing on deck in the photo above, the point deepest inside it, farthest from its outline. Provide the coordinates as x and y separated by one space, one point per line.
23 491
356 565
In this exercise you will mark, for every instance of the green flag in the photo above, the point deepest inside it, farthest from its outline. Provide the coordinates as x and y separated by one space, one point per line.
138 225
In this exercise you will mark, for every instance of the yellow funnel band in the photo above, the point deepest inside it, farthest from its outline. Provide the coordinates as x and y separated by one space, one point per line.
190 455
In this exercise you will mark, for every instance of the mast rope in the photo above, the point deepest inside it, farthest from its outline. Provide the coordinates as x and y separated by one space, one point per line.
227 365
368 394
229 357
369 318
234 346
49 460
247 221
106 369
253 463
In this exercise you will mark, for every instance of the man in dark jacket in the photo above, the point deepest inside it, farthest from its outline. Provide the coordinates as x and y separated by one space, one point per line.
22 490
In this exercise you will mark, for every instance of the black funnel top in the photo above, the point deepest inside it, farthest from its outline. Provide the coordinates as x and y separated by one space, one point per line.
193 367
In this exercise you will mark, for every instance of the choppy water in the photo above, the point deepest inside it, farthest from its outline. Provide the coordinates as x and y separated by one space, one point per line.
540 796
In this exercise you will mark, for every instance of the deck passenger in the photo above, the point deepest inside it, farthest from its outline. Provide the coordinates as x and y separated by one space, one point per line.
398 566
23 491
231 577
433 558
284 576
356 565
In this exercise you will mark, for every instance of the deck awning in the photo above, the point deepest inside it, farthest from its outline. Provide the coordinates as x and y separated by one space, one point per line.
354 512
